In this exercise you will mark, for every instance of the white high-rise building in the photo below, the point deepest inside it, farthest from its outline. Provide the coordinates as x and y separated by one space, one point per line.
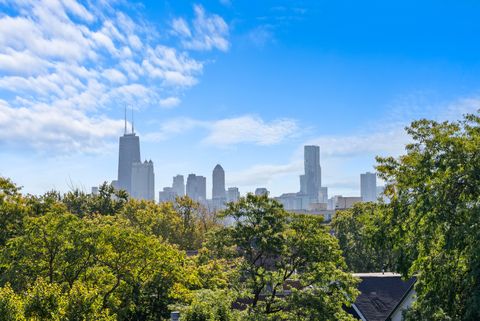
368 187
143 181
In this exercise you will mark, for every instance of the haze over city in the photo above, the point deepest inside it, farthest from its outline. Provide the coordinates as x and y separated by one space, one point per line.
226 82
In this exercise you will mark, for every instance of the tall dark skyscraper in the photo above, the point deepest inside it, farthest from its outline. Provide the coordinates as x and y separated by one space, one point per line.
218 183
128 154
313 172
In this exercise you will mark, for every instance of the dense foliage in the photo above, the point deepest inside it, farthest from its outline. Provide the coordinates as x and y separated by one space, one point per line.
99 257
290 267
435 193
363 233
431 227
106 257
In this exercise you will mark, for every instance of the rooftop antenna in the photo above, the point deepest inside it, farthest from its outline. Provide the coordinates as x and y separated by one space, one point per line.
133 131
125 130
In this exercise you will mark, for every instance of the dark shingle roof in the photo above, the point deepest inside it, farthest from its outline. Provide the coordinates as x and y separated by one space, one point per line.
381 294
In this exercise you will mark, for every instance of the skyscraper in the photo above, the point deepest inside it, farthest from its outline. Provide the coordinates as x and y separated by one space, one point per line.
261 191
128 153
233 194
303 186
313 172
368 187
178 185
167 195
143 181
197 188
323 195
218 184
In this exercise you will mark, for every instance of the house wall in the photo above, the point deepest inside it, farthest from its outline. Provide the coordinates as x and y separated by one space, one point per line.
407 302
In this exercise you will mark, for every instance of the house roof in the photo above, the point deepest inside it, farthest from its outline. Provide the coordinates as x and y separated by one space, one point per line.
381 294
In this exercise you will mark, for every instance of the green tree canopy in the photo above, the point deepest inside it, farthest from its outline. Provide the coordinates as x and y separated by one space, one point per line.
281 254
363 233
435 216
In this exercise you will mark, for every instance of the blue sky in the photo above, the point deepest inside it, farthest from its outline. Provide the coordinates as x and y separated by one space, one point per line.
226 82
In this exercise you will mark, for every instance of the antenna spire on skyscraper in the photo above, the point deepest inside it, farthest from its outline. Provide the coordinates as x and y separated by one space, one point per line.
133 130
125 130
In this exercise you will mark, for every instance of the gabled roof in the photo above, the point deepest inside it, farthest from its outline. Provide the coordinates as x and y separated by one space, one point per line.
381 294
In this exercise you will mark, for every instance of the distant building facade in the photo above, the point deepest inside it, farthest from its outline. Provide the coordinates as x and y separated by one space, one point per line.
261 191
292 201
178 185
233 194
218 184
368 187
128 154
197 188
339 202
167 195
143 181
323 195
313 172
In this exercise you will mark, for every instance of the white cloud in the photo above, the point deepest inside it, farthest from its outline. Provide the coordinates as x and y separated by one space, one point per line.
389 141
344 157
206 32
76 61
263 174
22 62
169 102
114 76
250 129
48 128
227 132
180 27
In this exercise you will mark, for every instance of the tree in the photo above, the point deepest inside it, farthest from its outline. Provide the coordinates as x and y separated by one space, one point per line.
281 252
108 201
208 305
363 236
160 220
84 304
195 222
12 210
140 274
435 215
11 305
56 246
44 301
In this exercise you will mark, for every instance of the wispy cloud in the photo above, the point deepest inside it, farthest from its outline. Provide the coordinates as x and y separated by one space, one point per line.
205 32
263 174
344 157
76 60
261 35
44 127
250 129
227 132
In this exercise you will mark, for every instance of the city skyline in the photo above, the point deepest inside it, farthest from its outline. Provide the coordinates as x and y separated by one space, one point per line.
247 93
